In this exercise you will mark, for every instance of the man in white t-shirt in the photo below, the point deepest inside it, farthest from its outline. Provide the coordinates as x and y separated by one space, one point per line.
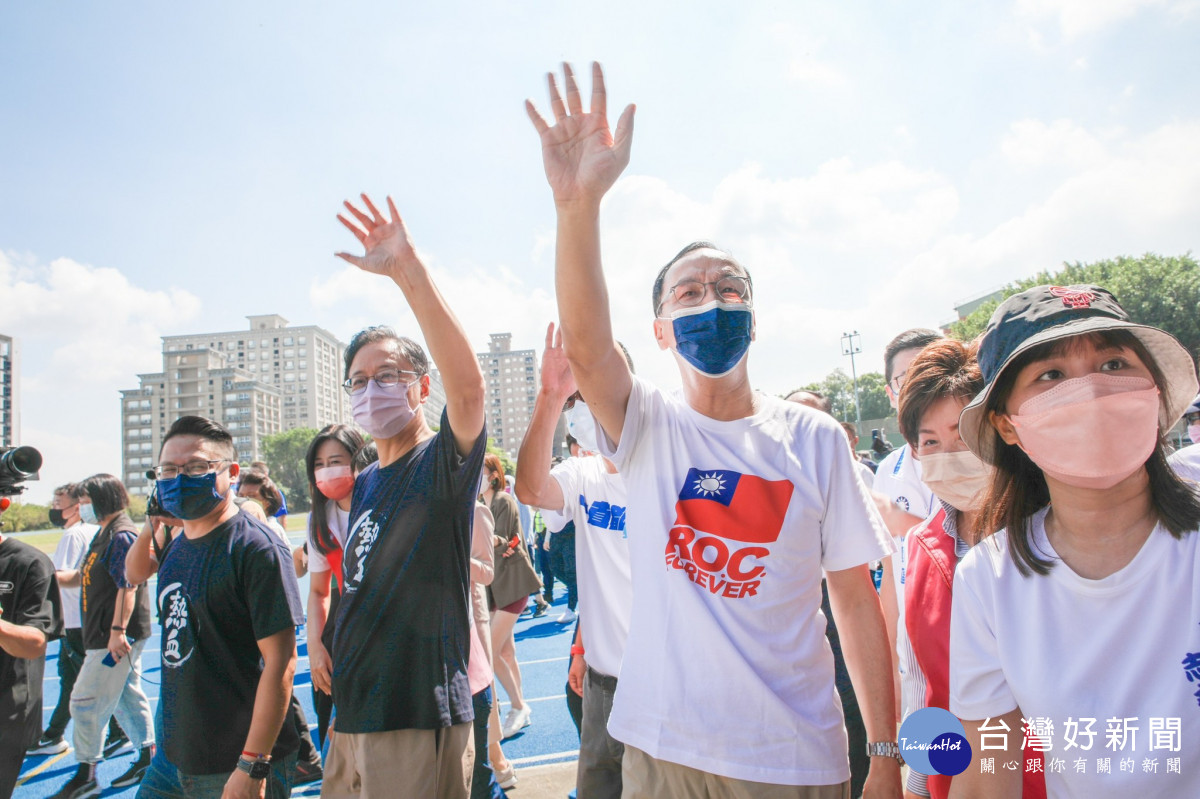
740 500
898 477
588 491
68 557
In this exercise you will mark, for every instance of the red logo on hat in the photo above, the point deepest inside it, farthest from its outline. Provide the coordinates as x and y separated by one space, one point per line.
1073 298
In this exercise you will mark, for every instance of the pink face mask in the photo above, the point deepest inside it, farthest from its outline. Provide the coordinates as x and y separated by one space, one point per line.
382 411
1194 432
335 482
1090 432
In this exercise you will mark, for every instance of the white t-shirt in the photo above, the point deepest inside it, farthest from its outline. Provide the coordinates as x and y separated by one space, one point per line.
1186 462
595 501
68 555
898 477
339 523
728 670
1062 647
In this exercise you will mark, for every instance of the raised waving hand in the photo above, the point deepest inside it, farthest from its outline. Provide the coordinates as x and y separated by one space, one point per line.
582 156
386 242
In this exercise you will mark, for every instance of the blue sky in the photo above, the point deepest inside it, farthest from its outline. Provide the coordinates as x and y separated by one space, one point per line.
171 169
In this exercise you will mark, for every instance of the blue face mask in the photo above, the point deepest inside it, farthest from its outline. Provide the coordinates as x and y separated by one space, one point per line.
185 497
714 337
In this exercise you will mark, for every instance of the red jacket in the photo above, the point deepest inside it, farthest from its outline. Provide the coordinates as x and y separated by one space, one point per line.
928 588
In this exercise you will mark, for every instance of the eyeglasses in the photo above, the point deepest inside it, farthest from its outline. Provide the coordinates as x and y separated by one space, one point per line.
1191 418
571 400
897 383
192 469
384 378
690 293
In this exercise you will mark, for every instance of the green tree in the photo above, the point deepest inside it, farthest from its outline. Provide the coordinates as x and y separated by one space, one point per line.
137 507
1163 291
284 454
22 516
510 466
839 388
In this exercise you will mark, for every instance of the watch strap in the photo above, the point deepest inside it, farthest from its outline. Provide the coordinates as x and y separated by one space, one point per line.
885 749
257 769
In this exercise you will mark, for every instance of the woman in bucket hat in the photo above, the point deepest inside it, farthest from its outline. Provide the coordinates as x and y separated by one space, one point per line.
1077 626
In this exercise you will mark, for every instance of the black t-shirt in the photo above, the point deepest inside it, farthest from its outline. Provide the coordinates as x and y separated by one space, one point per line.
29 597
102 573
403 627
217 597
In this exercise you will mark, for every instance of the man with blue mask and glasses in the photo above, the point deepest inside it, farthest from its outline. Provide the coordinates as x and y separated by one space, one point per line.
741 501
228 603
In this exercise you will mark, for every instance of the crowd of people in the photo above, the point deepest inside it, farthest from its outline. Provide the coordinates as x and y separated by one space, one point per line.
1034 538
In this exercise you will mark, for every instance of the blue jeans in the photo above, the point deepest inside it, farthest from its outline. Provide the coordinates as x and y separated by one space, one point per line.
483 779
164 781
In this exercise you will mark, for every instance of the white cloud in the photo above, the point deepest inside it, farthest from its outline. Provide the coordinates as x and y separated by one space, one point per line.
1032 143
86 332
1076 18
817 74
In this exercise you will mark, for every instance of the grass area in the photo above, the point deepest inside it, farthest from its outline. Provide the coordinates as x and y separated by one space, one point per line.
296 522
45 541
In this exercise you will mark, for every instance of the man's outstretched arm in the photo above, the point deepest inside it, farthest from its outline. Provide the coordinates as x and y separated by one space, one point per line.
583 159
390 252
534 484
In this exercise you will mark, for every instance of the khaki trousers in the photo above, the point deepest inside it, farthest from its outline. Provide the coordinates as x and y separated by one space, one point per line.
644 777
423 764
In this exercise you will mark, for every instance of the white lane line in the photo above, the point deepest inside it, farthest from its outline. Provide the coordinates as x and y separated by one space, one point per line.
535 759
539 699
543 660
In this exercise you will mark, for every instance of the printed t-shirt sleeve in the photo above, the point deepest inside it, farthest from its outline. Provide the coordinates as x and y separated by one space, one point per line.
566 474
270 589
978 687
638 419
39 605
456 473
118 548
852 531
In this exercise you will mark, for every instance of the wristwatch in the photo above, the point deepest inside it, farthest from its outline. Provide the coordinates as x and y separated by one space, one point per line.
885 749
257 769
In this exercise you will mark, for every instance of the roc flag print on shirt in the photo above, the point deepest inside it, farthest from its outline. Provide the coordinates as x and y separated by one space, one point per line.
716 508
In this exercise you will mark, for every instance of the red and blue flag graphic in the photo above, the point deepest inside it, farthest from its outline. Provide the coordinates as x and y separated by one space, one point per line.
732 505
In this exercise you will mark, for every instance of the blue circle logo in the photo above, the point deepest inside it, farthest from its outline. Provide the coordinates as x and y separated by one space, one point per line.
933 741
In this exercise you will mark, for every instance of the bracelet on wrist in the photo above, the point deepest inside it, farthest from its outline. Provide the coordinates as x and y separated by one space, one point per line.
576 649
116 628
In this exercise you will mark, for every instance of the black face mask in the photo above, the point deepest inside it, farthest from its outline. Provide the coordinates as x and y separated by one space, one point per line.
57 518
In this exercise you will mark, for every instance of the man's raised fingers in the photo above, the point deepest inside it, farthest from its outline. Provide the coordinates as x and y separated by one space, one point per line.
378 217
354 259
556 101
574 101
353 228
367 222
599 94
539 124
392 209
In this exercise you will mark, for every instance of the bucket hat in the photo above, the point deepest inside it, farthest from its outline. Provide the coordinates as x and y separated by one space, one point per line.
1049 313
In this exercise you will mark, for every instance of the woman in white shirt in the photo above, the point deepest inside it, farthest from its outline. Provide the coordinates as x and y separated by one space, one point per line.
1073 627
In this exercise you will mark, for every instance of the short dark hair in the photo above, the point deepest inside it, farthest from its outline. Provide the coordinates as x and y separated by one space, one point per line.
851 431
628 358
411 350
916 338
1019 489
367 454
107 493
946 368
267 490
203 428
656 293
824 403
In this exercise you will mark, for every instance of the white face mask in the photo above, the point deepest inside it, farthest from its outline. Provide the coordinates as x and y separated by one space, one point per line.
582 426
959 478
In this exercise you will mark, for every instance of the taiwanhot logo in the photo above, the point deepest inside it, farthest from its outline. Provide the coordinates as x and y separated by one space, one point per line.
933 741
724 524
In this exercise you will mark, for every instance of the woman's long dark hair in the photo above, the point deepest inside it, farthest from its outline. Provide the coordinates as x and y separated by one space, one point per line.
352 441
1019 488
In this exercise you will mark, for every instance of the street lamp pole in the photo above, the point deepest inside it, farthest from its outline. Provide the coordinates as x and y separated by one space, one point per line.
852 345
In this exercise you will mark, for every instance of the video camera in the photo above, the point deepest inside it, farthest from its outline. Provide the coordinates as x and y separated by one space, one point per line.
18 464
880 445
152 506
